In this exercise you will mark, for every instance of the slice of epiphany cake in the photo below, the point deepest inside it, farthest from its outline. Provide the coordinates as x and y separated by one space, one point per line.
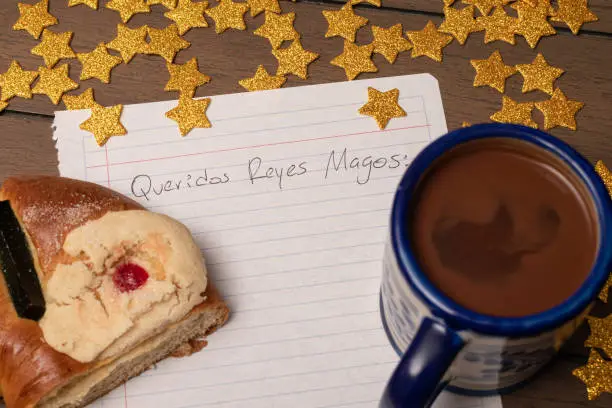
94 289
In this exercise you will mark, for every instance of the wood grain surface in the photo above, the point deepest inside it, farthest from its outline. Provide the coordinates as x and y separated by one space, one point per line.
27 147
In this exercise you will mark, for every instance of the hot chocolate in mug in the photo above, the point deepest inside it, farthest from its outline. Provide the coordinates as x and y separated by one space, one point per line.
446 344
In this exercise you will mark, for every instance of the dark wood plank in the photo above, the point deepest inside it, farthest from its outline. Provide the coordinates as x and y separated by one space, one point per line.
555 387
602 8
235 54
27 147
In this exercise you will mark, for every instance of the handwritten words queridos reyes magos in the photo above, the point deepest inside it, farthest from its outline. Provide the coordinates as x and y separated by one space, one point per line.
256 170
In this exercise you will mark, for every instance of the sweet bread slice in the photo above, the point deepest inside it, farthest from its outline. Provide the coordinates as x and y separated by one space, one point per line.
94 289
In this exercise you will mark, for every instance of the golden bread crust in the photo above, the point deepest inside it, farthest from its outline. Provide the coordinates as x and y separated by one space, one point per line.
49 208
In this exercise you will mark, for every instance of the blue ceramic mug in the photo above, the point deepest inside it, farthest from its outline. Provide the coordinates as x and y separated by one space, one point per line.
444 345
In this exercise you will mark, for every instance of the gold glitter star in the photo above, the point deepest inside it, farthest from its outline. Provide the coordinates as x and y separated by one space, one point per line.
465 124
604 292
257 6
185 78
429 42
492 72
382 106
188 15
34 18
89 3
355 59
514 112
601 334
485 6
389 42
83 101
3 105
574 13
376 3
262 81
98 64
533 23
278 28
596 374
127 8
54 47
606 176
294 60
190 114
459 23
166 42
104 123
16 82
169 4
344 22
228 14
559 111
129 42
54 82
539 75
499 26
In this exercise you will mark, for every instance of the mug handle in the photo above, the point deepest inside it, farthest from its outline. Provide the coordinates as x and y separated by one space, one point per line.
419 376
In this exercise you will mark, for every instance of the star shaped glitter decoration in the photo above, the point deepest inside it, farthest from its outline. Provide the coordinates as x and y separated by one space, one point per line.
83 101
485 6
514 112
559 111
382 106
294 60
428 42
389 42
98 64
278 28
185 78
492 72
54 47
169 4
603 295
129 42
376 3
343 22
499 26
459 23
128 8
228 14
258 6
355 59
262 81
16 82
596 374
539 75
533 23
601 334
190 114
54 82
89 3
574 13
188 15
104 123
33 18
166 42
605 175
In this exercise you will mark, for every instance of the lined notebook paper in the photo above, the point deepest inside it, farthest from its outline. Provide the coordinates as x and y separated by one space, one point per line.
288 196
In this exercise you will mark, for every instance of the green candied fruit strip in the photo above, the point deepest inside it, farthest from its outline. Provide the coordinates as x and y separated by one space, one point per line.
18 267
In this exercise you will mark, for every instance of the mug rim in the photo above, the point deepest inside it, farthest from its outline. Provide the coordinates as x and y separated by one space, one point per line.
459 317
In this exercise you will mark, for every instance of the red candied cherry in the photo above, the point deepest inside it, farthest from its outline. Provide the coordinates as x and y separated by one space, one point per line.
129 277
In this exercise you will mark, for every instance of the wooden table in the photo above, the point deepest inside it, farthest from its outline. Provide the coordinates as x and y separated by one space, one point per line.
27 147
